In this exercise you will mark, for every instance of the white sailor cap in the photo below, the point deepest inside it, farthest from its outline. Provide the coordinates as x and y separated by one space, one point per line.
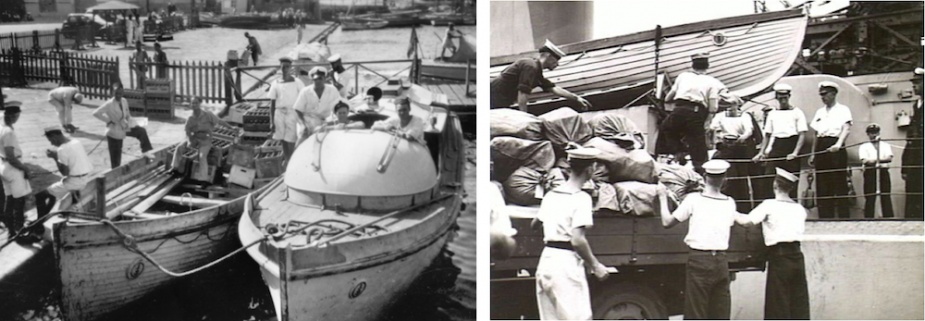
782 88
583 153
53 129
716 166
829 84
317 70
919 72
553 49
783 173
700 55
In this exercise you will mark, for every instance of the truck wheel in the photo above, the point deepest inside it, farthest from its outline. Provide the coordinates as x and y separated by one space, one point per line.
627 302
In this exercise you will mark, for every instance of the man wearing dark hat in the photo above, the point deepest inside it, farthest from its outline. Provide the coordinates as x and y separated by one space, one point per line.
73 164
912 171
784 132
711 215
695 95
782 222
15 175
284 92
314 103
876 156
831 123
565 213
515 83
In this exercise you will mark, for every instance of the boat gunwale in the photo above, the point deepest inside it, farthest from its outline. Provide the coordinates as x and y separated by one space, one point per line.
648 35
268 264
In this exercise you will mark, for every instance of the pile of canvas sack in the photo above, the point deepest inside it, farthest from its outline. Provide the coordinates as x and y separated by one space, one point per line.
528 158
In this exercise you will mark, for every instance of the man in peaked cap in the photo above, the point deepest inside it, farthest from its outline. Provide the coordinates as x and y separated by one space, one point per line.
696 96
783 222
515 82
711 215
912 171
314 103
284 92
831 123
784 133
565 213
73 164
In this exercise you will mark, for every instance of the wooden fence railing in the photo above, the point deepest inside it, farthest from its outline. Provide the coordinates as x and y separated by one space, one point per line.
36 40
204 79
91 74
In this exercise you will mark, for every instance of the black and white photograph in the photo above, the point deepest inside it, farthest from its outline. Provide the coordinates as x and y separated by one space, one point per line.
244 160
670 159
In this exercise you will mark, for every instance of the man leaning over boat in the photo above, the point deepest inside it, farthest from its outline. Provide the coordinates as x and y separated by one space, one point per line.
73 164
408 126
515 82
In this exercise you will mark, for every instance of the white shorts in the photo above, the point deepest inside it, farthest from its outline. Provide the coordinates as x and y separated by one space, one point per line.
562 286
14 182
60 188
286 126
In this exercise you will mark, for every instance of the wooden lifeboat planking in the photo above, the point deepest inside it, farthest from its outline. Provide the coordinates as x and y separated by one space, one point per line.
759 49
100 275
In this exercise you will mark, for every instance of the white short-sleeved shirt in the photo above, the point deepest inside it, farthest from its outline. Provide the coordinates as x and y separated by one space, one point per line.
828 121
785 123
561 212
415 127
310 104
697 88
63 94
72 155
867 152
285 93
710 221
781 221
8 139
738 126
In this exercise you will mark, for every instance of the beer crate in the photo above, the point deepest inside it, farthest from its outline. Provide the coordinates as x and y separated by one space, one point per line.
242 155
257 119
136 101
159 86
269 164
229 134
271 145
236 112
159 106
254 138
242 176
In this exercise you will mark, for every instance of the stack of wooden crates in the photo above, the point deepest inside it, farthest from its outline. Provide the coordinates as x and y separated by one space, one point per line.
159 97
256 160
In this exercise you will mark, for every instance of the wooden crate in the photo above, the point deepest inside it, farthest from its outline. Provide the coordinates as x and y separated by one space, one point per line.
242 176
271 145
255 138
269 164
155 86
242 155
230 134
257 119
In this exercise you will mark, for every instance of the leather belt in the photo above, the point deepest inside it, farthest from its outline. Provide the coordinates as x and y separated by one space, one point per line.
560 245
710 252
79 176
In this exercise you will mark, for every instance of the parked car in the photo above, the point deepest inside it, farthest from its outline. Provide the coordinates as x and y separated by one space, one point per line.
76 21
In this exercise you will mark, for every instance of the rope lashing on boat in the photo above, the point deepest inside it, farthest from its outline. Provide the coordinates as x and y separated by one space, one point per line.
388 154
319 138
129 243
316 230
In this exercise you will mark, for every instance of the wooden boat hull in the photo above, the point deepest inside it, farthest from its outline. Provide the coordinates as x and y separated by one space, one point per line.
365 24
757 50
100 274
350 280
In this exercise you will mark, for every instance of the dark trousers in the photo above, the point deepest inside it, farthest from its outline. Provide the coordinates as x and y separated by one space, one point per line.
786 295
14 216
44 202
115 145
914 180
684 123
781 148
870 190
706 289
832 179
737 176
254 55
